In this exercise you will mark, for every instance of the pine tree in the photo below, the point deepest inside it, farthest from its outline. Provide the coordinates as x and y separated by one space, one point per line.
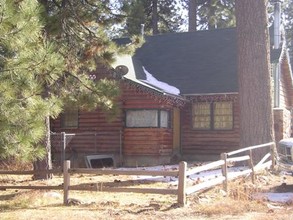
216 14
79 28
26 62
49 51
158 16
210 14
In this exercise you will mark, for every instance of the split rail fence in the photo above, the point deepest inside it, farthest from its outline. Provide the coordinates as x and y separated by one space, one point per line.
183 173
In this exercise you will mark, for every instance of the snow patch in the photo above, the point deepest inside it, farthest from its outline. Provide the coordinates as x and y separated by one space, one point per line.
209 175
150 79
274 197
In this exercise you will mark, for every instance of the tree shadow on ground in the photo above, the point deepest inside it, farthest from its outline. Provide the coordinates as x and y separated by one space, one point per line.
283 188
8 196
114 183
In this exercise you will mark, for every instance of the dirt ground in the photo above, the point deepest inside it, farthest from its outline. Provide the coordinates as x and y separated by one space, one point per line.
209 204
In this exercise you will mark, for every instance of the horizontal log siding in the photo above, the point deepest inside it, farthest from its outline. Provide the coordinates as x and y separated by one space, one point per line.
197 142
286 89
104 136
286 101
146 141
99 142
90 122
133 98
95 134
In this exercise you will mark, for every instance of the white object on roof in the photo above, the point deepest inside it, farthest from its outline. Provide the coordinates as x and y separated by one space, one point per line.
150 79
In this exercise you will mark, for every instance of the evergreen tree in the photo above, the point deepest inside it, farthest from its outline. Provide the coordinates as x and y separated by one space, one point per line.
51 51
27 61
135 17
211 14
217 14
158 16
80 30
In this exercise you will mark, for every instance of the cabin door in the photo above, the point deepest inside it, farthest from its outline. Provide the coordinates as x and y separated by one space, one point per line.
176 130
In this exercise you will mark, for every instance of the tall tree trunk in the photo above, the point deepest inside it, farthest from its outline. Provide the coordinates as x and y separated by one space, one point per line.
192 8
155 17
46 162
256 112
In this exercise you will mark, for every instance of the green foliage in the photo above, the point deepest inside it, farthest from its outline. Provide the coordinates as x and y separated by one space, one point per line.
140 12
216 14
27 61
48 52
213 14
135 17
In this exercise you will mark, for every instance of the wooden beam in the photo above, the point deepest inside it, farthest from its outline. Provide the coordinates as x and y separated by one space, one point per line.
66 181
182 183
124 172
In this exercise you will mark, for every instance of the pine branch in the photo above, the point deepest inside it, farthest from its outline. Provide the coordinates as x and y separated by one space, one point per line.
78 19
82 83
26 68
57 4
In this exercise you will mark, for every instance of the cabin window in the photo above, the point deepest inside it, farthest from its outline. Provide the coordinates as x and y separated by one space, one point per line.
147 118
201 116
213 116
69 118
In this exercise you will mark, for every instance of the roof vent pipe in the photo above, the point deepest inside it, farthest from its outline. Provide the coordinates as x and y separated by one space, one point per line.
277 24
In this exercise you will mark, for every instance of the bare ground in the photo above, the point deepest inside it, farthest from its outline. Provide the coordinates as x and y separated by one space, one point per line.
209 204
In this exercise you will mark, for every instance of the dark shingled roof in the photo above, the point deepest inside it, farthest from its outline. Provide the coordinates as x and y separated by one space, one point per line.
198 62
194 62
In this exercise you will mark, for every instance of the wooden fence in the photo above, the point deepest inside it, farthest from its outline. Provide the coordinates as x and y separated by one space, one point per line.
182 173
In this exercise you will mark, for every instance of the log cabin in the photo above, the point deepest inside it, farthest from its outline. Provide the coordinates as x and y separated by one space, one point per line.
179 101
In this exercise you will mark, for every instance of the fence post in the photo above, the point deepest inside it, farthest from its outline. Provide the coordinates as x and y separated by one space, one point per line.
225 172
63 147
251 166
66 181
182 183
120 148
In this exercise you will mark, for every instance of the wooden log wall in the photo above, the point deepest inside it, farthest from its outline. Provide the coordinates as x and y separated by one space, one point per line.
286 99
286 86
95 134
94 142
146 141
208 142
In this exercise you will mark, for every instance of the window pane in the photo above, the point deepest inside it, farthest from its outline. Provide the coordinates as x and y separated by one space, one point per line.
164 118
70 118
201 116
142 118
223 115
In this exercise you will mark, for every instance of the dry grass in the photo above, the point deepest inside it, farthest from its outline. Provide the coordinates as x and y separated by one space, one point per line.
210 204
14 165
216 202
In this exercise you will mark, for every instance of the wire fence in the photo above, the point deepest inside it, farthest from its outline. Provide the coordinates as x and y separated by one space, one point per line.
74 146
